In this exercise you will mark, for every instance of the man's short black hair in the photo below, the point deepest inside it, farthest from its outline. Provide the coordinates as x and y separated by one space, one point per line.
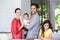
17 9
34 4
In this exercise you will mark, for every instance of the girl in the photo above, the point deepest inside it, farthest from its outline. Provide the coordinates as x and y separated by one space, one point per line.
46 31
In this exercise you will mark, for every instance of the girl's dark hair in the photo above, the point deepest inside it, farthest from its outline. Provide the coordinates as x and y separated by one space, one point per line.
50 26
17 9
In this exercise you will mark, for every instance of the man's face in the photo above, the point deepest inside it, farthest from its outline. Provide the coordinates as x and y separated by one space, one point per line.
33 9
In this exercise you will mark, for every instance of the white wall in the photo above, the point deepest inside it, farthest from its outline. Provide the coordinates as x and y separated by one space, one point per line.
25 6
7 8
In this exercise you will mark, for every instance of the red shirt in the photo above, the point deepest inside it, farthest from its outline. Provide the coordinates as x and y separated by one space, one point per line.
16 24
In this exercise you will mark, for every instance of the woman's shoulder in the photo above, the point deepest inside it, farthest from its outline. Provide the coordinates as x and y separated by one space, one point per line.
14 20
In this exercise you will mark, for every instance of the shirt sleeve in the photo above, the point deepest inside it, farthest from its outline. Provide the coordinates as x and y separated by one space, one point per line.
14 25
32 23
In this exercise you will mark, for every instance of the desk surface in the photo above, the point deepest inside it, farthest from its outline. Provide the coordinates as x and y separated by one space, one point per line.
5 32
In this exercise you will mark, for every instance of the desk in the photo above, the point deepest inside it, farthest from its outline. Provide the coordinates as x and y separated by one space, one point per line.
5 36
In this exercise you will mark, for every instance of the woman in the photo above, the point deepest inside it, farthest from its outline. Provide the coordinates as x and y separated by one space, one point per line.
46 31
17 25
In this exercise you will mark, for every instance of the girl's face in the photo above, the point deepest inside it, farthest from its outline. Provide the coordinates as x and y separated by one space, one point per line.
46 26
18 13
26 16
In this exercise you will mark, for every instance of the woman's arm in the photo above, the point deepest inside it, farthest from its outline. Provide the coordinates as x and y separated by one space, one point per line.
14 27
21 26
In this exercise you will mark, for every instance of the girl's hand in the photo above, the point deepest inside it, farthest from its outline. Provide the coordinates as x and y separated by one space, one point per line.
25 32
24 25
44 39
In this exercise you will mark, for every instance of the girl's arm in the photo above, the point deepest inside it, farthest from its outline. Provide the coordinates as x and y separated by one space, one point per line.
50 37
40 37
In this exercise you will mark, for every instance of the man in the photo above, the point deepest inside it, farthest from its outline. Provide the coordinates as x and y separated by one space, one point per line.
34 26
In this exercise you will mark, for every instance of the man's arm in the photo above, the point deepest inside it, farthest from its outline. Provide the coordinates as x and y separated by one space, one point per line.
33 22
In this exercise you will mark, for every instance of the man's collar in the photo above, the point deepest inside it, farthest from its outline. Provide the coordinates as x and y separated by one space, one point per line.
35 13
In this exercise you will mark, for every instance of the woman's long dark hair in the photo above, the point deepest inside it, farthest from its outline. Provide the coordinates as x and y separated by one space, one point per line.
42 28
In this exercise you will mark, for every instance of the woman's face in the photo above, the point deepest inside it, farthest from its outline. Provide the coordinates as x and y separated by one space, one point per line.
46 26
18 13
